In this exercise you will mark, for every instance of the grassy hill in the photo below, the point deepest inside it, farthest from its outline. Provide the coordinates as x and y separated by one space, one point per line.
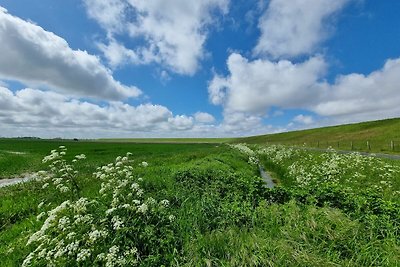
374 136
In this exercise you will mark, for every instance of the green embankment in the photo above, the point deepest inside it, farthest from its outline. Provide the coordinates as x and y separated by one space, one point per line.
373 136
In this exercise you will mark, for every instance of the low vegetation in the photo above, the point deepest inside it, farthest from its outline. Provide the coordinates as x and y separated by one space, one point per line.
202 205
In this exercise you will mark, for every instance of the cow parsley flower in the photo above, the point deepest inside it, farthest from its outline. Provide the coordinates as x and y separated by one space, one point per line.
143 208
165 203
144 164
83 255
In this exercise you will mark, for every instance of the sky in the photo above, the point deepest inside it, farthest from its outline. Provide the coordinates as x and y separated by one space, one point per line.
209 68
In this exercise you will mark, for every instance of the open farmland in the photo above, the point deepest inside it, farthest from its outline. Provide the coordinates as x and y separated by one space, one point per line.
127 204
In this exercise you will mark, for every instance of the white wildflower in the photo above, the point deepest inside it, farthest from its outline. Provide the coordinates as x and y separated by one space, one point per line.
80 157
63 223
64 189
139 192
71 235
151 201
135 186
40 205
28 260
144 164
165 203
96 234
142 208
117 223
109 211
83 255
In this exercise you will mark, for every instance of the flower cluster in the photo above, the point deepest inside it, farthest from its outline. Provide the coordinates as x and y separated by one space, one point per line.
311 169
121 227
278 153
62 174
253 159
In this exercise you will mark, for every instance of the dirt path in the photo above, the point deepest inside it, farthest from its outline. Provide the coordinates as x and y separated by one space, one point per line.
12 181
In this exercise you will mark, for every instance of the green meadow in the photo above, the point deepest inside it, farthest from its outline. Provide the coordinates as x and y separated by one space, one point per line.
195 205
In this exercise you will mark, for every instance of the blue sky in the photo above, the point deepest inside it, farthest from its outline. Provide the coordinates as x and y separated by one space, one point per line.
129 68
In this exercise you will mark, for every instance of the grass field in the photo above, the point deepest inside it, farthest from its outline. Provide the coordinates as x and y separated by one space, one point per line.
196 205
378 134
31 152
168 140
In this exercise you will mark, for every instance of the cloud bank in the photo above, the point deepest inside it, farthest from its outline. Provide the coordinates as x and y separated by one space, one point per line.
37 110
37 57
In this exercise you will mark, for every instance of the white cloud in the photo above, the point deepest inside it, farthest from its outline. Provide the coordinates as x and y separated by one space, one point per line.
295 27
110 14
217 89
181 122
304 119
47 113
117 54
37 57
173 32
204 117
362 97
31 112
239 122
255 86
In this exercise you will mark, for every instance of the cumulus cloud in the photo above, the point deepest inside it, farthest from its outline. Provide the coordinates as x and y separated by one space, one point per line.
181 122
37 57
204 117
117 54
303 119
170 33
296 27
359 97
239 122
50 112
255 86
